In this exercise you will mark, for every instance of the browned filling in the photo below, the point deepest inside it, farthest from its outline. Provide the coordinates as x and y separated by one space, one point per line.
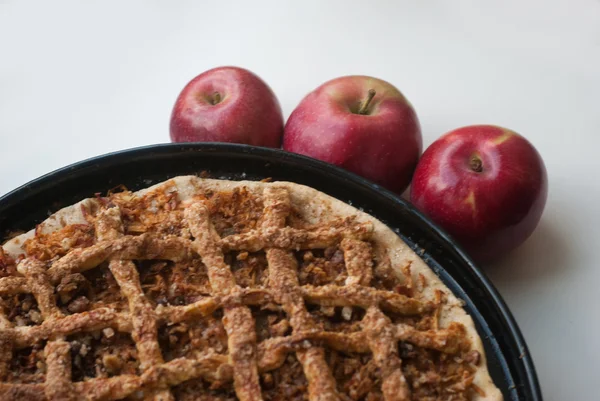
102 354
157 211
285 383
249 269
168 283
200 390
58 243
337 319
7 265
270 323
74 294
104 291
434 375
188 339
28 365
234 212
95 288
21 309
356 375
320 267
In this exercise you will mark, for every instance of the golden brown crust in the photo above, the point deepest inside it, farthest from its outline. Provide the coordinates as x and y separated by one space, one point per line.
109 227
283 277
408 319
58 361
237 319
384 346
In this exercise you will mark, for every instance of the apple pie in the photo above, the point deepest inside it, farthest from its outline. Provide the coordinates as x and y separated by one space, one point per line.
202 289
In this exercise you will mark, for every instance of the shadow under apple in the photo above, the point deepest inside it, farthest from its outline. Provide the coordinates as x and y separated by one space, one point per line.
544 255
545 261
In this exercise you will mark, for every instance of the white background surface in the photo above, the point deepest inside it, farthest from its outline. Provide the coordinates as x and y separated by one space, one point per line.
78 79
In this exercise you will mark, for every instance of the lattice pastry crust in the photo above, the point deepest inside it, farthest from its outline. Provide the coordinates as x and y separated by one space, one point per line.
350 311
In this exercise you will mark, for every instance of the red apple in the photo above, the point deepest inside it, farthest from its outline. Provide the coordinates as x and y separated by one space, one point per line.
227 104
362 124
485 185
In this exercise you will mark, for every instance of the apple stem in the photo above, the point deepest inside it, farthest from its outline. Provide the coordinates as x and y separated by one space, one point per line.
216 98
365 104
476 164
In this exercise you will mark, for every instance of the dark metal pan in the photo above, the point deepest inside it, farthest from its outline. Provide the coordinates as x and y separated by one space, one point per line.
509 360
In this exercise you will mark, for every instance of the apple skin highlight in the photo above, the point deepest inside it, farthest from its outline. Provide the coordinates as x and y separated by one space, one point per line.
382 145
485 185
227 104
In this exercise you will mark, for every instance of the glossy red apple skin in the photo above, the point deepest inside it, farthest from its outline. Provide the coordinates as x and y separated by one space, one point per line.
247 112
489 212
382 146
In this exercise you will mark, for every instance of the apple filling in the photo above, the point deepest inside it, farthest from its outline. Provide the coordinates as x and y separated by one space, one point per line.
21 309
102 354
168 283
188 339
28 365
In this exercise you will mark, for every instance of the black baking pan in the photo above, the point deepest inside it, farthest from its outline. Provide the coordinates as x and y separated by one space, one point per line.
509 361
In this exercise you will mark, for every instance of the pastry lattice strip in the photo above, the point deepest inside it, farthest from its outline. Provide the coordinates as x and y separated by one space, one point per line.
283 278
237 318
157 377
144 330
